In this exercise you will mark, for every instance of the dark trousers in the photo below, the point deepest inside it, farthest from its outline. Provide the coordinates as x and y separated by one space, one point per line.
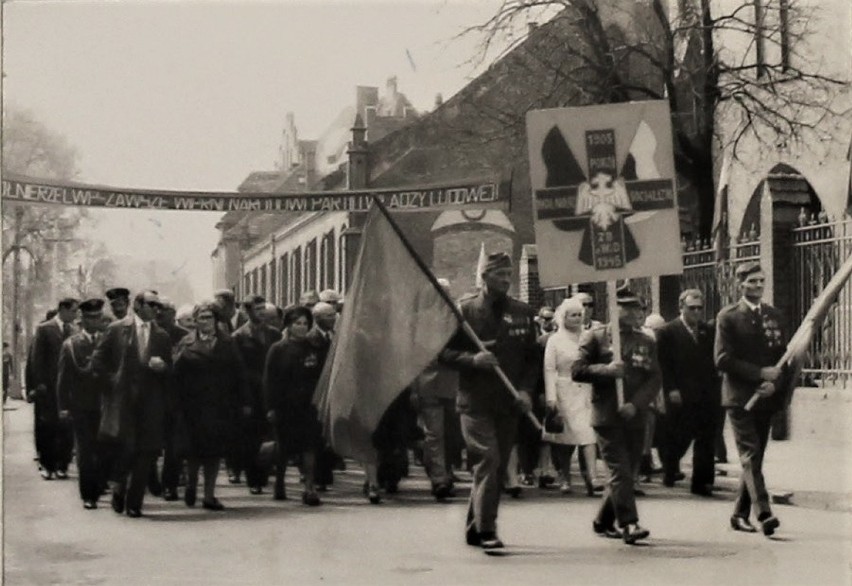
54 438
251 432
751 433
621 449
685 424
529 445
130 475
85 426
721 449
489 439
324 472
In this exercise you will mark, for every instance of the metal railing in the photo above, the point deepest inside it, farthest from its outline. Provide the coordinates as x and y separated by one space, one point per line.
820 246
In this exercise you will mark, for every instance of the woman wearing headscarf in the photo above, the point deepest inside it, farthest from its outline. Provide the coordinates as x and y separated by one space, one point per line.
292 370
573 400
212 390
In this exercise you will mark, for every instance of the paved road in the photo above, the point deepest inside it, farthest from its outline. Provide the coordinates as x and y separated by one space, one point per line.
409 539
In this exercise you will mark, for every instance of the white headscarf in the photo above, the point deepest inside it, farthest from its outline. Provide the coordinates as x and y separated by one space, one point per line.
571 304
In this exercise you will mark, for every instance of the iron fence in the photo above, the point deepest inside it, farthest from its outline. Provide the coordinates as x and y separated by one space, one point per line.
820 246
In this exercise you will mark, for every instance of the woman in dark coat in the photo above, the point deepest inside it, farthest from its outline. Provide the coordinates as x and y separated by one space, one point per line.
211 387
293 367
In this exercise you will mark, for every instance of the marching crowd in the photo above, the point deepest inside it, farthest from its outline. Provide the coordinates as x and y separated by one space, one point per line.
148 399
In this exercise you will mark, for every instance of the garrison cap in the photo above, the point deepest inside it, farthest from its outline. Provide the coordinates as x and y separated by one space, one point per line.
94 305
746 269
497 260
117 293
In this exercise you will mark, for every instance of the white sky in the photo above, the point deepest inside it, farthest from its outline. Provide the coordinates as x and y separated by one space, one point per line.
192 95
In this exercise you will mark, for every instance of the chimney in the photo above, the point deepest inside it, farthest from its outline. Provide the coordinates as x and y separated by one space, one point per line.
391 86
439 100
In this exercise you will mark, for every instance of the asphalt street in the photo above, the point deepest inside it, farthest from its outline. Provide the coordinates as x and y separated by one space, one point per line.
409 539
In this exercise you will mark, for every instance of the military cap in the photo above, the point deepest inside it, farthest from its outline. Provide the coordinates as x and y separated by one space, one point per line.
497 260
166 303
546 312
746 269
93 305
253 300
625 296
150 297
117 293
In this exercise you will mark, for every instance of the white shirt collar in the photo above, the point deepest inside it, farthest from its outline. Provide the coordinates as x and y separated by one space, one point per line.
751 306
139 323
59 322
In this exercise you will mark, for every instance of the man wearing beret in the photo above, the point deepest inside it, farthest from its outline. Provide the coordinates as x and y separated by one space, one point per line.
134 357
79 399
54 438
620 428
750 339
119 301
489 412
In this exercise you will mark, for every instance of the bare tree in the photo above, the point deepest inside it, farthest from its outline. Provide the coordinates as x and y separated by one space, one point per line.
741 71
32 234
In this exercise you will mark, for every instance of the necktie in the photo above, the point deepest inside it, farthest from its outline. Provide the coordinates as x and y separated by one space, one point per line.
66 330
142 336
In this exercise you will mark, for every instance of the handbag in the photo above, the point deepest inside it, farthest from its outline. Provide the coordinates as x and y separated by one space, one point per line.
267 455
553 422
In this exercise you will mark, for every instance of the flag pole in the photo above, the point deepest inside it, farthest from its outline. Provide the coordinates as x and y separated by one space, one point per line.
800 341
465 326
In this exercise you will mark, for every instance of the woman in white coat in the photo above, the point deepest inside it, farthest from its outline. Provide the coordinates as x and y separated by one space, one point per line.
572 399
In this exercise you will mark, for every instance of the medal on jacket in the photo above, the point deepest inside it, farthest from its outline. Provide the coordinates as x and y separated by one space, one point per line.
311 361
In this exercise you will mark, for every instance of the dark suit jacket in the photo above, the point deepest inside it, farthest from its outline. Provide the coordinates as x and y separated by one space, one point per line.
133 406
77 388
45 358
641 374
746 342
687 364
253 351
514 334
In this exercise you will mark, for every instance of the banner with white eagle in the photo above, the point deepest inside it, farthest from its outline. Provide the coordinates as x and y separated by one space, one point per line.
604 197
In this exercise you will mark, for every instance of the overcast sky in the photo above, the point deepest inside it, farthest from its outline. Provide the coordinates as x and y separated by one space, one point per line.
193 95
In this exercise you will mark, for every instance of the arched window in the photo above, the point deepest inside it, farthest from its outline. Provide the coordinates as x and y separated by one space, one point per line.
328 260
273 282
261 289
311 265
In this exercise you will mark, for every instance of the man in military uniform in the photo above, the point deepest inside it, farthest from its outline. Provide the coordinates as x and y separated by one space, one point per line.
750 339
489 412
119 301
79 399
54 438
620 428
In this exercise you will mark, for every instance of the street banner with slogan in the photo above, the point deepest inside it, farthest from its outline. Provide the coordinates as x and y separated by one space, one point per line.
604 197
396 321
474 193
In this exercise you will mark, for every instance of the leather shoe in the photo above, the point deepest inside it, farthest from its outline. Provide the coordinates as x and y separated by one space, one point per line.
702 490
90 505
441 492
639 492
471 536
46 474
170 495
608 531
739 523
769 525
189 496
256 490
373 494
514 492
234 478
61 474
212 505
489 540
311 499
118 502
679 475
634 532
134 513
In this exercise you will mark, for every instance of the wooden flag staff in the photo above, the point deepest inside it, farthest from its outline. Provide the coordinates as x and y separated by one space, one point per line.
615 332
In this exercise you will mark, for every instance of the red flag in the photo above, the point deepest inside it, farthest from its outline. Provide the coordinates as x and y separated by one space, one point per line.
397 319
